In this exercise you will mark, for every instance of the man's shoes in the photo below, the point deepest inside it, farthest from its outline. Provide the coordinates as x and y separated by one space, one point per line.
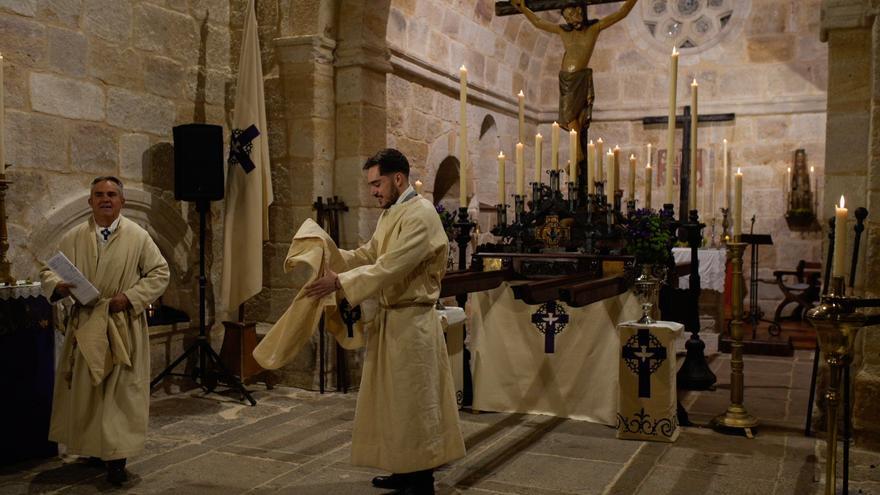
116 474
95 462
416 483
391 482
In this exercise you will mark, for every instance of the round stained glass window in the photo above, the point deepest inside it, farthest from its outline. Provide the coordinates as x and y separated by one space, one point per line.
689 23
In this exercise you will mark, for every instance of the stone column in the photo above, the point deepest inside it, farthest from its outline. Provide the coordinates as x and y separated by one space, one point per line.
850 28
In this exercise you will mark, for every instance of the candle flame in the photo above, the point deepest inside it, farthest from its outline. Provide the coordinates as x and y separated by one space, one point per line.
812 169
841 202
418 182
500 154
555 124
725 140
463 68
610 153
574 132
591 143
538 135
616 148
632 157
600 140
648 167
674 51
695 82
739 171
520 93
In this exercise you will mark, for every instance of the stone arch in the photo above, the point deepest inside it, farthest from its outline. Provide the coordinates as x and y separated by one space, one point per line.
487 125
446 180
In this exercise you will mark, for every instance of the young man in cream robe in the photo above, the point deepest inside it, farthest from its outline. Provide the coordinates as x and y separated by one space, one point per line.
102 386
406 420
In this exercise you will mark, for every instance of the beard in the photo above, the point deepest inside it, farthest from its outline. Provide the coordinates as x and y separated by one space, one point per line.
393 196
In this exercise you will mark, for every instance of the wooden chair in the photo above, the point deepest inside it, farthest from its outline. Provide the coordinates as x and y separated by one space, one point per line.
800 286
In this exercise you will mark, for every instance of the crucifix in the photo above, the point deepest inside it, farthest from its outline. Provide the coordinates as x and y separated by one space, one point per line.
684 178
644 355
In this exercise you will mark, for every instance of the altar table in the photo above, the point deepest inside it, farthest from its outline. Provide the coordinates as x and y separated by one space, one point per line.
512 373
713 264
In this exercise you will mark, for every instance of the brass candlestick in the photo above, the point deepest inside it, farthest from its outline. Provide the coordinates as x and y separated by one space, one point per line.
836 326
5 265
736 417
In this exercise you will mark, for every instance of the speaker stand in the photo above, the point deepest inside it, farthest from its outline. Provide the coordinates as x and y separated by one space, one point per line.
206 379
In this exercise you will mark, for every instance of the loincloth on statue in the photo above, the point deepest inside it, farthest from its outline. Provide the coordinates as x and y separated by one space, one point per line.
575 96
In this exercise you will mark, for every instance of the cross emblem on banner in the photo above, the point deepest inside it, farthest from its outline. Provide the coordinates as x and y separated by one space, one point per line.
643 354
240 147
550 319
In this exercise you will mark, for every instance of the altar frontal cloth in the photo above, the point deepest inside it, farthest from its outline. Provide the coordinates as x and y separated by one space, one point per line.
647 398
513 373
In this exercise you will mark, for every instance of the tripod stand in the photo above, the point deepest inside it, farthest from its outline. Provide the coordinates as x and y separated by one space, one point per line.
207 379
755 314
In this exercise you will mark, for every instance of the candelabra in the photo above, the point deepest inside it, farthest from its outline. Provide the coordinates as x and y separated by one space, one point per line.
725 225
736 417
5 265
837 324
463 236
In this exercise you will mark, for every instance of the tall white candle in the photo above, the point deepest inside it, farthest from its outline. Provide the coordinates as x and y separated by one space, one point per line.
502 178
632 177
737 205
648 158
725 175
616 168
612 185
840 239
787 187
649 172
573 155
592 164
539 149
670 131
554 146
694 115
418 186
600 157
462 140
520 170
522 116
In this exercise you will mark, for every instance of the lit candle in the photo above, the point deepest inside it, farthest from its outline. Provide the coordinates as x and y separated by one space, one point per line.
2 122
840 215
591 162
649 172
694 114
520 170
632 177
522 116
539 148
670 131
815 184
737 204
418 186
648 158
600 157
726 175
462 140
787 186
573 155
616 167
502 177
612 184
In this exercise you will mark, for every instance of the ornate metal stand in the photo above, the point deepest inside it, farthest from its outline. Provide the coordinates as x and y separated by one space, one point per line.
695 373
736 418
463 236
837 324
5 265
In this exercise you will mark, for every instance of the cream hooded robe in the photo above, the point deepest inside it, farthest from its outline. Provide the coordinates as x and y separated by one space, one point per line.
406 417
102 385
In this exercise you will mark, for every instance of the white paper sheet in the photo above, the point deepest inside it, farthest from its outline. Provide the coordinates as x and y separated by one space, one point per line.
84 292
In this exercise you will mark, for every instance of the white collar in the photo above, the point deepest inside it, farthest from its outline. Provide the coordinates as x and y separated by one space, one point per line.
112 228
405 195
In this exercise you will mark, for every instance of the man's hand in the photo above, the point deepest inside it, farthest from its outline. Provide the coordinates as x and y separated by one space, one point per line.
62 289
119 303
323 286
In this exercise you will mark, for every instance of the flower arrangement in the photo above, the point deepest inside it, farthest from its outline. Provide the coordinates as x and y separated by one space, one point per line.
649 235
447 218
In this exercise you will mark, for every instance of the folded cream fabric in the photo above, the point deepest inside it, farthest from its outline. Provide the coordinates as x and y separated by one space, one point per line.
311 252
103 339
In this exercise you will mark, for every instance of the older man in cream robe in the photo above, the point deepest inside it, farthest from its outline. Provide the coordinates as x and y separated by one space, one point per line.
101 402
406 420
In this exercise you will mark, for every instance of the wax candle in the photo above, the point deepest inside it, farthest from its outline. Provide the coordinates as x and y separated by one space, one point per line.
539 148
502 178
573 155
2 122
554 146
600 157
462 139
787 186
592 165
632 177
648 158
670 131
649 172
737 204
840 231
418 186
694 115
616 167
520 170
612 184
522 116
725 175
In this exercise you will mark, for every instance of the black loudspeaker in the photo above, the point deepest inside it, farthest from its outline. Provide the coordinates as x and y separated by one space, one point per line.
198 162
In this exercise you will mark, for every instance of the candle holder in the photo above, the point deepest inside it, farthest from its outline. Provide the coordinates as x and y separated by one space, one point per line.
736 418
554 181
725 226
712 242
463 236
501 215
836 324
695 373
572 196
630 206
536 192
5 265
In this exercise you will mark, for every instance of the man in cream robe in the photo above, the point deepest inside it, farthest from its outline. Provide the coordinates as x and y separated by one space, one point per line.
406 420
101 402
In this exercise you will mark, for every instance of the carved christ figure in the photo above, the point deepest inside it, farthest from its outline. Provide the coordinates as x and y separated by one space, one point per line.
579 36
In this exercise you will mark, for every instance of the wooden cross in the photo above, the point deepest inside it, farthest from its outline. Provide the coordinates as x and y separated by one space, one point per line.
505 8
684 176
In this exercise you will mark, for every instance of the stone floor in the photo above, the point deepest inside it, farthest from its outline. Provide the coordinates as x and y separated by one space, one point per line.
297 442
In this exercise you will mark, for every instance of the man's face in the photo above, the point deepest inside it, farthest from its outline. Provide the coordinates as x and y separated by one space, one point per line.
106 202
573 16
383 187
